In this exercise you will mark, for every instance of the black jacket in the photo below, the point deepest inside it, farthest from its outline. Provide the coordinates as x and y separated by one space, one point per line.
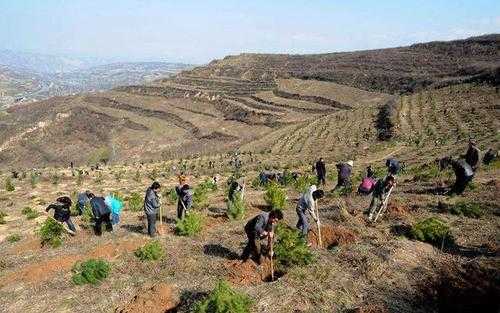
62 212
472 156
462 169
99 207
320 168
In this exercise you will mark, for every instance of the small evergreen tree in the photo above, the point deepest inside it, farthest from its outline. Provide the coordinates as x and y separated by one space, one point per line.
9 185
431 230
151 251
189 225
51 232
223 299
291 247
135 202
275 196
236 207
91 271
2 217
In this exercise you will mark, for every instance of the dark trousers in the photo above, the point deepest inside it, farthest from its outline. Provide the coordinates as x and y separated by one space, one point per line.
303 223
321 180
253 248
151 224
343 182
70 224
81 208
106 219
460 185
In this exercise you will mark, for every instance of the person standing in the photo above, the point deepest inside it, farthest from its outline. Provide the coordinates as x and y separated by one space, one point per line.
321 171
184 197
102 214
260 227
151 206
472 155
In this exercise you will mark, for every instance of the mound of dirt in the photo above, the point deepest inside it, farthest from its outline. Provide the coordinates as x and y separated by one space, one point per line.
396 210
160 298
332 236
247 273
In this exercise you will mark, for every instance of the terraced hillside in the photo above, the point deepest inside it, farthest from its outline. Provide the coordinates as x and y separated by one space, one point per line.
402 69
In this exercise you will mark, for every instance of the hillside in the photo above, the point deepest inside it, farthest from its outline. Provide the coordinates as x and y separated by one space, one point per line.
403 69
218 108
430 251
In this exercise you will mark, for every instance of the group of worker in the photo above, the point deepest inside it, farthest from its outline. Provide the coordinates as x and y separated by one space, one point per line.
106 210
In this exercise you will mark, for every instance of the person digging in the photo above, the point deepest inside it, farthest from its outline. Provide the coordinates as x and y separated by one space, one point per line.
381 192
307 204
102 214
463 174
184 196
260 227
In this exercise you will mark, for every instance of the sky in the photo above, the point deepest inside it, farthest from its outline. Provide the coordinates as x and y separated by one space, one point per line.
197 32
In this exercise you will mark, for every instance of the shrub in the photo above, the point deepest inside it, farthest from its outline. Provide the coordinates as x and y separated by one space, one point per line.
236 208
98 178
469 209
200 197
135 202
151 251
13 238
55 178
287 178
303 183
51 232
190 225
208 185
137 176
9 185
2 217
291 247
223 299
91 271
275 196
431 230
153 175
34 178
30 213
170 195
255 183
119 175
87 215
79 177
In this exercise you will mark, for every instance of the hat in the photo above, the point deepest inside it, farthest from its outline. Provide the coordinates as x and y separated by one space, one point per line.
351 163
182 179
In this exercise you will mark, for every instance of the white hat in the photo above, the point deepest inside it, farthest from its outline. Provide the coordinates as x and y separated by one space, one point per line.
351 163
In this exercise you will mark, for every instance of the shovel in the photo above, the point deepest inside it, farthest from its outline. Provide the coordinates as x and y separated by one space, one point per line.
318 223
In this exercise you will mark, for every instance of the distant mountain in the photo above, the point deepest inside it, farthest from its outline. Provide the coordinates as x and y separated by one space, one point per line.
19 84
44 63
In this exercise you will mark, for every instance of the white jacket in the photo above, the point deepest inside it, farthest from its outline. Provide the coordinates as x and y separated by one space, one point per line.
307 203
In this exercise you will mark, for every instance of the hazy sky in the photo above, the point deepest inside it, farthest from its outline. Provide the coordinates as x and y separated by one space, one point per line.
199 31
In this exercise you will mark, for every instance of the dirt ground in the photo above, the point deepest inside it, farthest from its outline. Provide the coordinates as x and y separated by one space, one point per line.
362 267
